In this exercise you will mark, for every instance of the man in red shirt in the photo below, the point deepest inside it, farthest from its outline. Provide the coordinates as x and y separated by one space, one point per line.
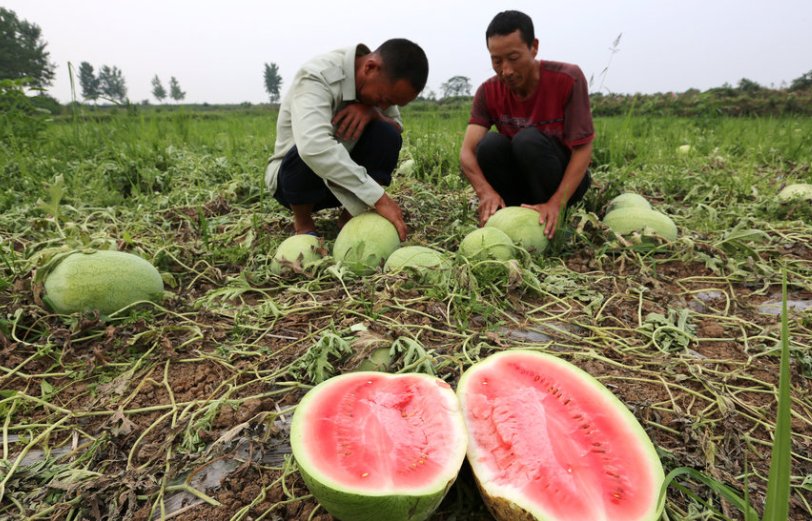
539 157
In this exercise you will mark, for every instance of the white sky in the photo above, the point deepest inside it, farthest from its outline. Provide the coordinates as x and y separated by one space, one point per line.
216 49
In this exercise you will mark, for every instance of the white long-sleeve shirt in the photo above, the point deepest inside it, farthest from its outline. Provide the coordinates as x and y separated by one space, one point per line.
322 87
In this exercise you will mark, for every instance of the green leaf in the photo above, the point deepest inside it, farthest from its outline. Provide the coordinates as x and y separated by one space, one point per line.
777 507
720 488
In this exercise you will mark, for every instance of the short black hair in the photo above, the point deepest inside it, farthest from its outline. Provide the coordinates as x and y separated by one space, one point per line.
507 22
404 60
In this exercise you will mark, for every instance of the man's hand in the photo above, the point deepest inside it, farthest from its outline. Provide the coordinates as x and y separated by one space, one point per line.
387 207
489 203
548 215
351 121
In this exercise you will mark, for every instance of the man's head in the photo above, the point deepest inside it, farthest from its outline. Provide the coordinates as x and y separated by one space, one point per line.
393 74
513 46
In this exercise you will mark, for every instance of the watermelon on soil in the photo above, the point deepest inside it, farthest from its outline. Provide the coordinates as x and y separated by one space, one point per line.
796 192
644 220
379 447
522 226
103 280
420 259
628 200
546 441
365 242
297 250
487 243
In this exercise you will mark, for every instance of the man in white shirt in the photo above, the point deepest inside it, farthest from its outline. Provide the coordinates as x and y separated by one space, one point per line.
338 132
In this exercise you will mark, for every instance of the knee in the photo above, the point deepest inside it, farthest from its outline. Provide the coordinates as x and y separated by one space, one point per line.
530 138
384 135
493 145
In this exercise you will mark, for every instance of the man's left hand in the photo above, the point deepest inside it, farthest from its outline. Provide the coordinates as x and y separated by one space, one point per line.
351 121
548 215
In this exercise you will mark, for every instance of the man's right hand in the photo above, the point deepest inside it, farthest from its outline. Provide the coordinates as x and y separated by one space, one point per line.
489 202
388 208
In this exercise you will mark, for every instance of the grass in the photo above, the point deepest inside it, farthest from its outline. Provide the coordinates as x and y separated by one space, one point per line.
122 417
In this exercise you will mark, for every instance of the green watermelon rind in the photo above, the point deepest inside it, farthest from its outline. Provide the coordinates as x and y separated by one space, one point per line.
104 281
522 226
624 221
508 504
415 504
354 249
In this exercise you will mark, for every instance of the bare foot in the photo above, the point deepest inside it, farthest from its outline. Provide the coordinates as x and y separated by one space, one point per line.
303 218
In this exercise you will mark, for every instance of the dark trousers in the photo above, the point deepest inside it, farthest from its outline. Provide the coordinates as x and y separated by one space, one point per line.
377 150
526 169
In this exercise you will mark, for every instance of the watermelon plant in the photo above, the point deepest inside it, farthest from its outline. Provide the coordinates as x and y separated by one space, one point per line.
796 192
104 280
522 226
546 441
375 446
365 242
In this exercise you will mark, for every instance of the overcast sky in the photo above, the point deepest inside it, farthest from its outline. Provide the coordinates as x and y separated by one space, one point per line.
216 49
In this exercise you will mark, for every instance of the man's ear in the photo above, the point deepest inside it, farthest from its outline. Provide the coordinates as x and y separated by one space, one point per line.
374 63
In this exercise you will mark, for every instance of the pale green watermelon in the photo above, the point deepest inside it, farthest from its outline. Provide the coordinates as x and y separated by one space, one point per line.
297 250
644 220
548 442
796 192
374 446
522 226
487 243
420 259
104 280
365 242
628 200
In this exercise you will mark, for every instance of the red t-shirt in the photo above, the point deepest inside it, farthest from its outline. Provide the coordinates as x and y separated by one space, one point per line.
558 108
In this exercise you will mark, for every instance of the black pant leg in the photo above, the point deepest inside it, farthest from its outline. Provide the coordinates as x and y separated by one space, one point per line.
377 150
542 161
495 159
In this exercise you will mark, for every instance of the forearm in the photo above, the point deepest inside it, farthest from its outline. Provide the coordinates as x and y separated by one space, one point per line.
472 172
574 173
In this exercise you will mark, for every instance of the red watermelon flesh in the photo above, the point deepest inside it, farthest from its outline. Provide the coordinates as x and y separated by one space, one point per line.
368 441
548 440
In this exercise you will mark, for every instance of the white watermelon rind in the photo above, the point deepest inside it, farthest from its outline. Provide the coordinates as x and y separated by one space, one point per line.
405 504
509 504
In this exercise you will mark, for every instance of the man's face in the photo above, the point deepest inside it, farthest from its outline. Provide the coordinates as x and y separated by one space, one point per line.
513 61
377 90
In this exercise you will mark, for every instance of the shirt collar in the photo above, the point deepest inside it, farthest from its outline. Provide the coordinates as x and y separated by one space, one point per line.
348 86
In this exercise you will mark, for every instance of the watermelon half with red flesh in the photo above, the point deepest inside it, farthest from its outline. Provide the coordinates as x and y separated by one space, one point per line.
377 446
546 441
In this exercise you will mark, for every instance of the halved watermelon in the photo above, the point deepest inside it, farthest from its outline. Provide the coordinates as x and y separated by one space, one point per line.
546 441
376 446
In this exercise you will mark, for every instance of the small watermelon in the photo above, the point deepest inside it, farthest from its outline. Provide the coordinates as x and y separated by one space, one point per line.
635 219
420 259
796 192
379 447
297 250
522 226
365 242
103 280
548 442
487 243
628 200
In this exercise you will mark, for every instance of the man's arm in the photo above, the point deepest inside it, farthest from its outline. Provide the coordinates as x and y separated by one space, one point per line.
351 120
573 175
489 200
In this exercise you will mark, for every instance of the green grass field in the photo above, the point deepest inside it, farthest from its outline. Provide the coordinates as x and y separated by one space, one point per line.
181 410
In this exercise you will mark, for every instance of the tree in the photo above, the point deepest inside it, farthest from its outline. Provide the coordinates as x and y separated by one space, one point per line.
749 86
22 51
273 81
112 85
456 86
158 89
802 83
88 81
174 90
